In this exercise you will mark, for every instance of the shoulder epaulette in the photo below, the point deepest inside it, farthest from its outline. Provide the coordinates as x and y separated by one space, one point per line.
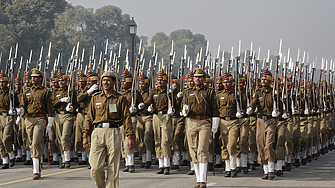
96 93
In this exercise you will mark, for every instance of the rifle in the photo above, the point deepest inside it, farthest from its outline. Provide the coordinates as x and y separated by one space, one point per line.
182 70
284 92
216 60
312 89
116 69
306 112
231 59
11 91
46 64
70 91
237 86
324 89
169 82
248 77
103 62
275 92
133 87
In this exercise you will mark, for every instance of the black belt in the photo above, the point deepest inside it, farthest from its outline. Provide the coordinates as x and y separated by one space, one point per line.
63 112
282 119
228 118
245 116
161 112
145 114
106 125
253 115
82 111
265 117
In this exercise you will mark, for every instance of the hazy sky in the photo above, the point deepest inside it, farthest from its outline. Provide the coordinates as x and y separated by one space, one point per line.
305 24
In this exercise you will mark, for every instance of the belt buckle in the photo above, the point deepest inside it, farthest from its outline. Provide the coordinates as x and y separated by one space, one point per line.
198 117
264 117
105 125
160 112
4 114
227 118
61 112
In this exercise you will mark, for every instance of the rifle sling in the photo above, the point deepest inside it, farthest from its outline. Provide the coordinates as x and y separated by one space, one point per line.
203 111
32 93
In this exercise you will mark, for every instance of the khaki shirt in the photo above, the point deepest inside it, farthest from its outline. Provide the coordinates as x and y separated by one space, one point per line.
4 100
112 109
206 98
83 99
158 99
59 93
227 103
145 95
127 94
43 98
262 99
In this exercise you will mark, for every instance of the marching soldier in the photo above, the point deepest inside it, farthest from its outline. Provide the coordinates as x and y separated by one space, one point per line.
17 135
162 122
229 124
25 138
144 129
108 110
6 123
84 95
266 125
36 101
199 105
126 83
63 105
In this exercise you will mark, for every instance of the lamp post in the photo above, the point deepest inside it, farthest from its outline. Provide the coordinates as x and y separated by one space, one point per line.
132 31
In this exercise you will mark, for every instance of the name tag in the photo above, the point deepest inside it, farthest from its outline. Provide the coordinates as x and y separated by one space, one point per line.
192 94
155 95
57 95
112 108
222 97
260 98
28 94
98 103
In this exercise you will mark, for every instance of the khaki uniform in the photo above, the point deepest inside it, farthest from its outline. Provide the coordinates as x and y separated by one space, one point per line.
144 129
64 119
35 126
198 129
6 123
107 141
266 125
162 122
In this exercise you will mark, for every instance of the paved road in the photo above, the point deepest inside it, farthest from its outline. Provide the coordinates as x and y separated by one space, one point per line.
320 173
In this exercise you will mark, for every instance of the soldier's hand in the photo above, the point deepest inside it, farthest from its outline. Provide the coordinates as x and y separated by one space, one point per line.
131 144
65 99
85 143
180 94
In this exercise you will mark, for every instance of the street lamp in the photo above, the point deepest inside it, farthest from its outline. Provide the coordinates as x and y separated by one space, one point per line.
132 31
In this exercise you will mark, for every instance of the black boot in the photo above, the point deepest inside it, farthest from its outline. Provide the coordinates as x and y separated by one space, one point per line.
210 166
288 167
184 163
238 169
5 166
11 162
147 165
245 170
227 174
271 175
191 172
175 167
304 161
279 173
62 165
125 169
142 165
160 171
297 163
265 176
166 170
131 169
54 163
82 163
156 162
27 162
309 158
233 173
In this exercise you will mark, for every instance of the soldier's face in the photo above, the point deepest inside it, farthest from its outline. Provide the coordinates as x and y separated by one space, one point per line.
55 85
36 80
227 84
265 82
62 83
199 80
185 86
190 83
242 85
82 84
156 85
18 86
3 84
143 86
90 83
27 84
219 85
125 85
161 82
108 83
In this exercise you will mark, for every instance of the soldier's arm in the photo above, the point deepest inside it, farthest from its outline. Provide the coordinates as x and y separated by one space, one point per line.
55 102
148 101
88 126
49 106
214 105
126 118
75 103
16 99
23 102
254 101
82 96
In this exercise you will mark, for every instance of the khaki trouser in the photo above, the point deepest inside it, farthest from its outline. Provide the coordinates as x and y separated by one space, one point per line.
217 144
17 134
229 131
35 129
163 133
105 142
280 139
323 128
6 131
25 139
332 124
289 136
54 145
64 126
144 134
124 139
78 143
310 131
265 138
296 134
252 134
315 132
198 133
244 135
178 133
303 131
